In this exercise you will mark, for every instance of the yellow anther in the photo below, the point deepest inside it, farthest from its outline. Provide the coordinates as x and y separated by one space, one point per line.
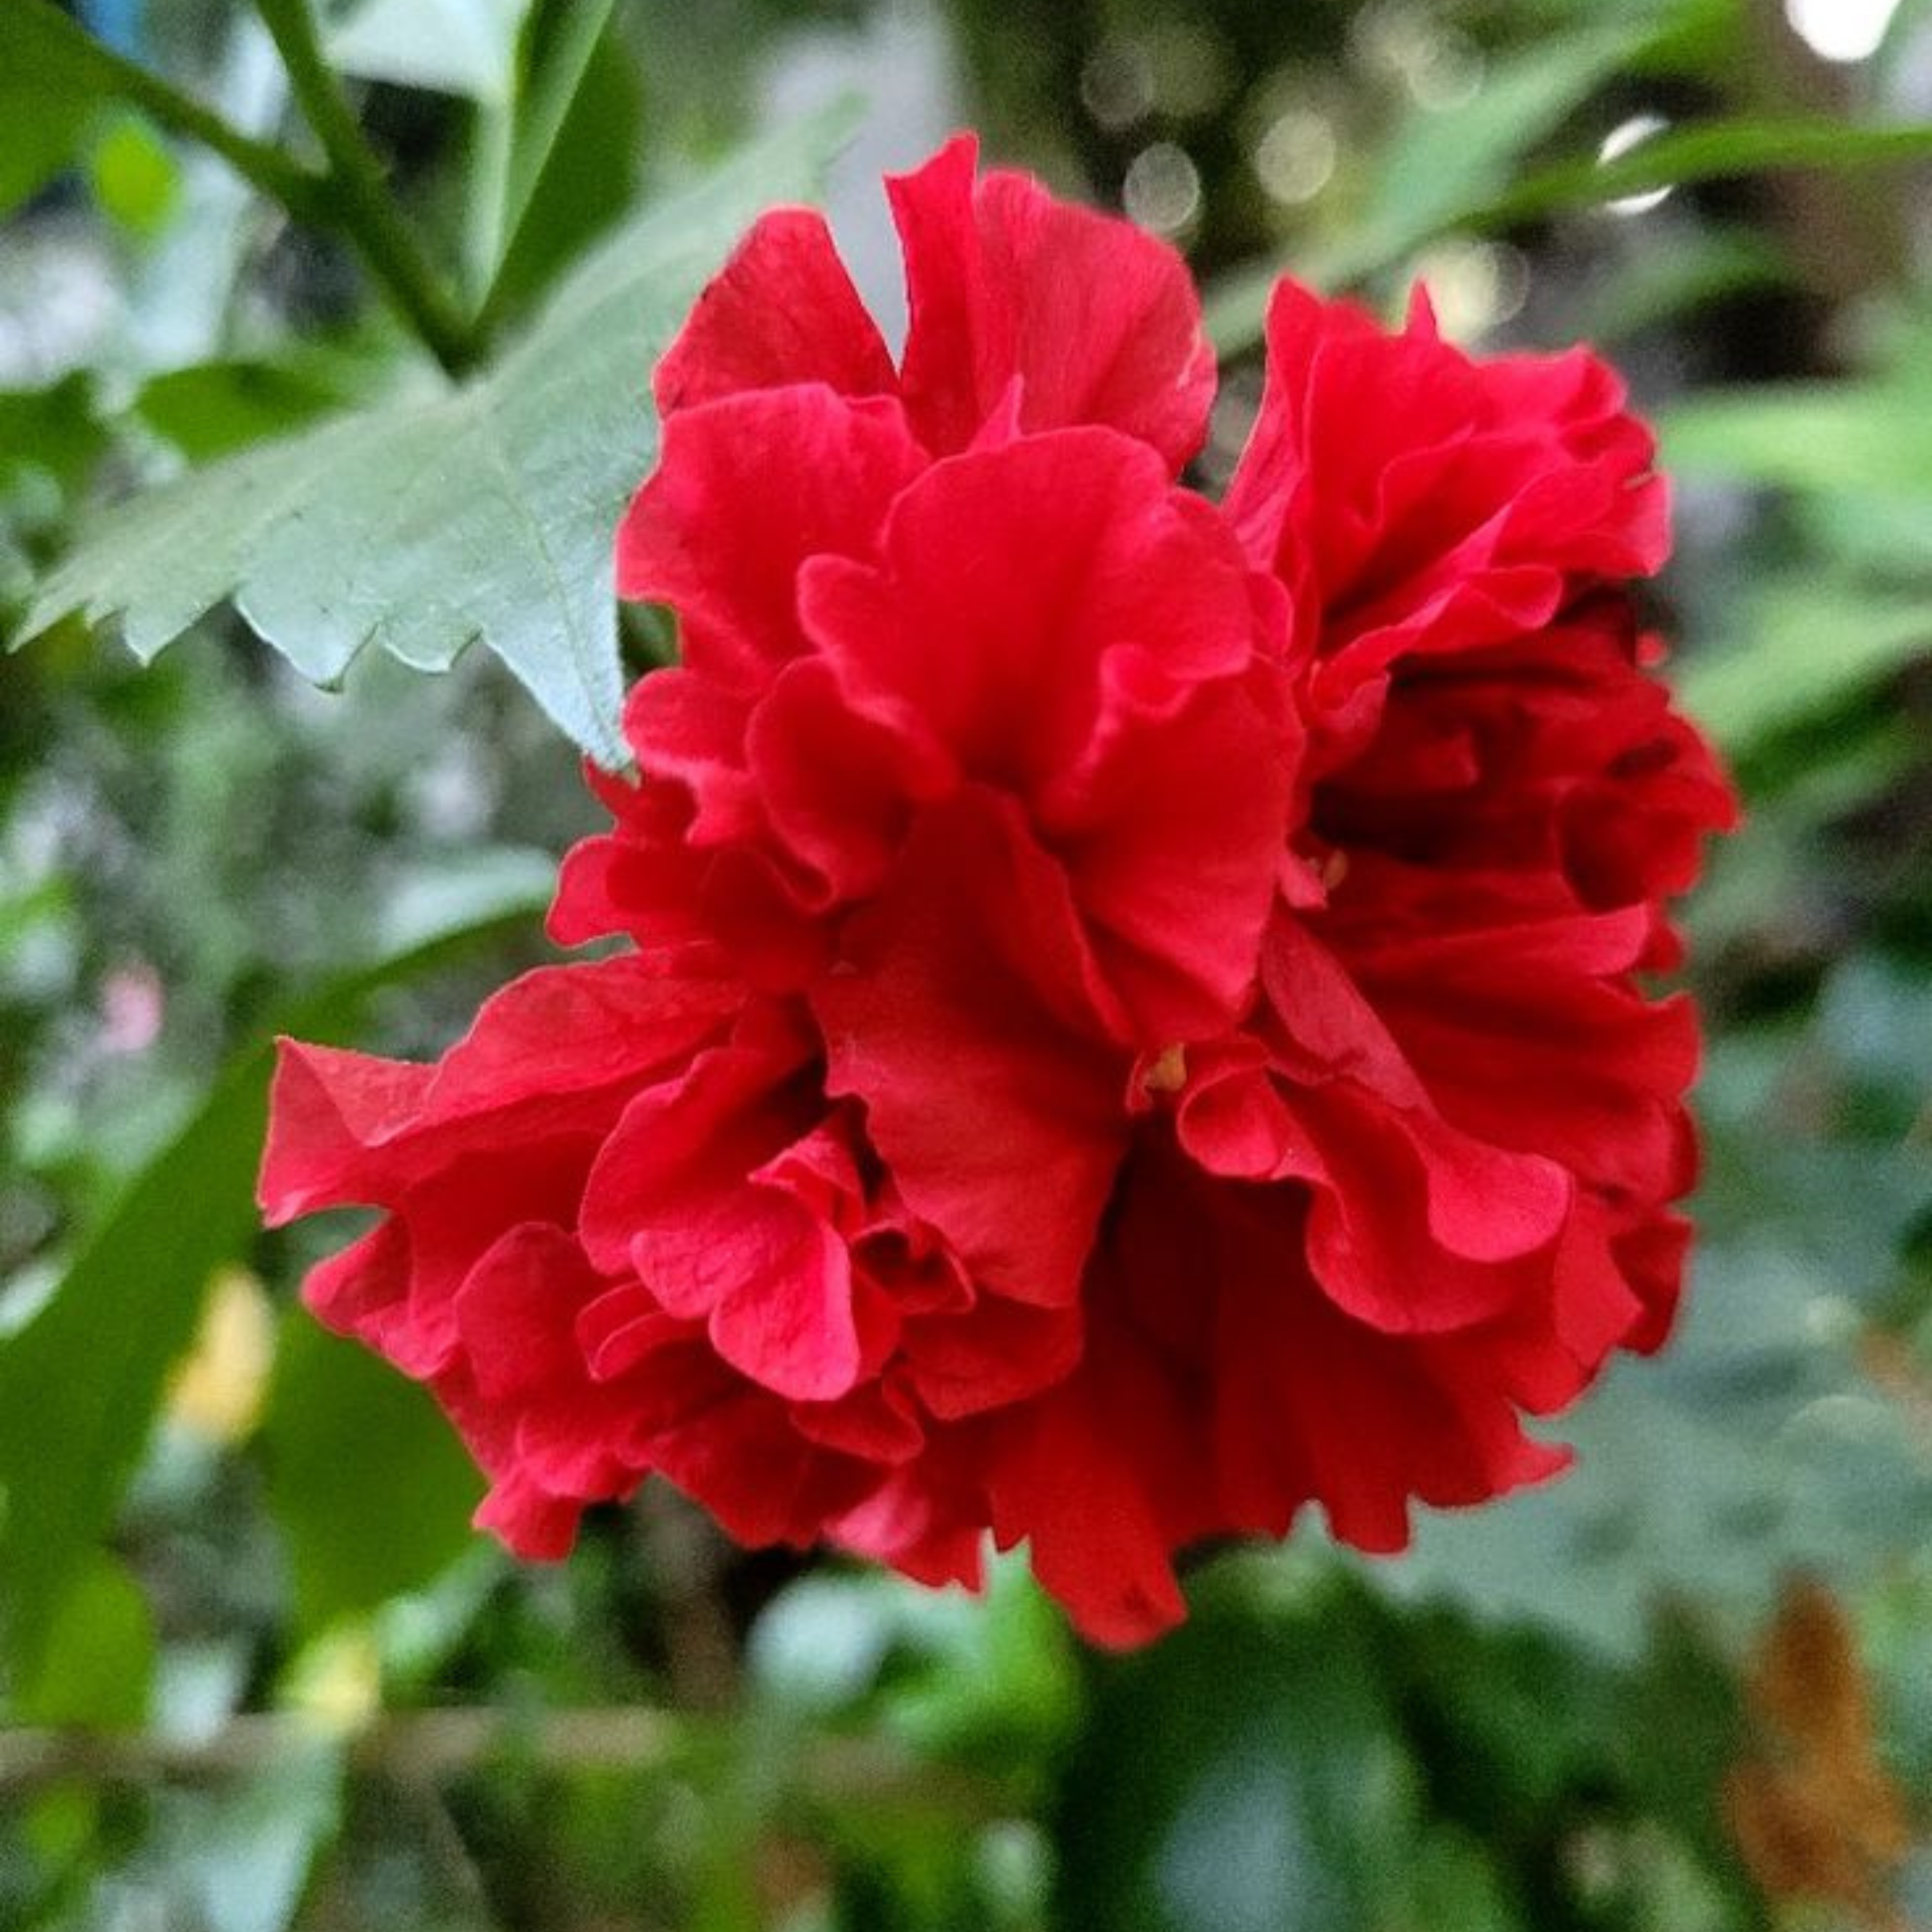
1168 1073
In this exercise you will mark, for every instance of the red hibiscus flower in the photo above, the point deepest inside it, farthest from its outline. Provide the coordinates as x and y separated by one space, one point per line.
1132 1024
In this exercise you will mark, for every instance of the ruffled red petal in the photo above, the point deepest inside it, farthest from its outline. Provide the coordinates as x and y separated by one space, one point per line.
971 1023
783 310
1097 322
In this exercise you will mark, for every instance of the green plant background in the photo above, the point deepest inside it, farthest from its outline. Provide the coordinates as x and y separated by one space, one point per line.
323 341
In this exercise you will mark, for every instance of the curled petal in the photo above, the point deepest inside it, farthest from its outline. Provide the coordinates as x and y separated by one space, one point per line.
346 1129
783 311
1098 322
834 466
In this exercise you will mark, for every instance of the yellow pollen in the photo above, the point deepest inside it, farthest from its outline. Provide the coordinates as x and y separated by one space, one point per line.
1168 1073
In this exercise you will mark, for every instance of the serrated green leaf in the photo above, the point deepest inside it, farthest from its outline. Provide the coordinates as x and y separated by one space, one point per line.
80 1382
370 1488
481 513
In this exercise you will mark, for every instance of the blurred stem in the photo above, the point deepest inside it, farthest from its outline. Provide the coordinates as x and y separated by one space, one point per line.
367 212
350 200
429 1746
305 196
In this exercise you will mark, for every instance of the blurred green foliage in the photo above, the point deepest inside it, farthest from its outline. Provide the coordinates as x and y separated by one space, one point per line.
256 1674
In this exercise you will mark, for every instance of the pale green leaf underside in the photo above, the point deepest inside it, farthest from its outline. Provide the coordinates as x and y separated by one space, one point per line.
464 47
482 513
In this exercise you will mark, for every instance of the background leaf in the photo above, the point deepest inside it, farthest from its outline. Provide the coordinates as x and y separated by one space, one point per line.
1754 1446
48 88
1441 168
1452 170
98 1664
1245 1777
343 1425
449 47
1441 165
1824 436
1801 648
1720 151
79 1383
208 409
571 153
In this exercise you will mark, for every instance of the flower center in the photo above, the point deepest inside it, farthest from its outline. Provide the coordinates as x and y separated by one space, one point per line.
1168 1073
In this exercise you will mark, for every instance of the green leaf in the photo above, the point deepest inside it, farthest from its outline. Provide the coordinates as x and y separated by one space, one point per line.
371 1488
1246 1774
465 47
53 430
47 90
79 1383
210 408
546 107
1717 151
1520 1732
573 155
989 1680
1440 167
1804 649
484 512
98 1664
134 176
1713 262
1824 436
53 72
1410 208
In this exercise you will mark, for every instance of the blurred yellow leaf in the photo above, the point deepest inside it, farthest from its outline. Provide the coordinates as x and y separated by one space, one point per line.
216 1389
337 1680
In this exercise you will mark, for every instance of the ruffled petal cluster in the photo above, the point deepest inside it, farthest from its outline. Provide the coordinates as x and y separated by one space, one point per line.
1134 1018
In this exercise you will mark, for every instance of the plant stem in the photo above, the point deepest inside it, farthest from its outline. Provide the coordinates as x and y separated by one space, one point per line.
365 212
438 1745
305 194
350 200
